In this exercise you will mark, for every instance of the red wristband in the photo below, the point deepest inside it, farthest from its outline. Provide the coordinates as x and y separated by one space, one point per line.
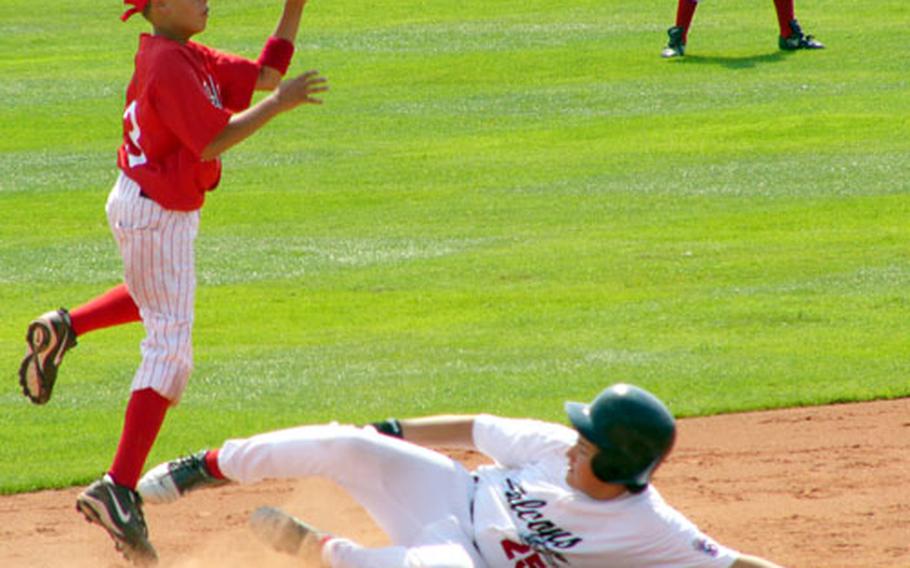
276 54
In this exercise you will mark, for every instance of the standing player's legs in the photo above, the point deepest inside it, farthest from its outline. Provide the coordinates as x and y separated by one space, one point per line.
791 34
159 267
784 9
679 33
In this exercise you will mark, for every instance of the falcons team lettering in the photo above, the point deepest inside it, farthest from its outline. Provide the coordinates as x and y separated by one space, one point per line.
541 538
529 511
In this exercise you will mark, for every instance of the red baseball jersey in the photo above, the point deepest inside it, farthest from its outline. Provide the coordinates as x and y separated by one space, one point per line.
180 97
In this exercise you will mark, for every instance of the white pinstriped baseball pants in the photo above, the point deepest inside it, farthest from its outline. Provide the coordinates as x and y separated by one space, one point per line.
419 497
159 267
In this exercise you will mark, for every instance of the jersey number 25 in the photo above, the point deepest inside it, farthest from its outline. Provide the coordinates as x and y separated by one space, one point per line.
523 555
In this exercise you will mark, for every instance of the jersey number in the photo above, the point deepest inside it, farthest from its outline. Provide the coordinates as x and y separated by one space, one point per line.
520 553
134 152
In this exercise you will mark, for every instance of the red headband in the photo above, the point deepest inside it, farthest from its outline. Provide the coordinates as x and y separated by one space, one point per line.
138 6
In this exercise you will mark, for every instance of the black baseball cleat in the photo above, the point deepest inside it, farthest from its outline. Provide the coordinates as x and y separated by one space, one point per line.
287 534
796 39
118 510
675 46
168 481
48 338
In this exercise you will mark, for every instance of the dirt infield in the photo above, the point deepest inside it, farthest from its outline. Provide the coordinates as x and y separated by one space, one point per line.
820 487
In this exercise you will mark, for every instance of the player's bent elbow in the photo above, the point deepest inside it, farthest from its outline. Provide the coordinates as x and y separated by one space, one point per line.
209 153
268 79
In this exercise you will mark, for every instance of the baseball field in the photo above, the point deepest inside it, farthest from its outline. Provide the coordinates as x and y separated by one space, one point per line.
500 206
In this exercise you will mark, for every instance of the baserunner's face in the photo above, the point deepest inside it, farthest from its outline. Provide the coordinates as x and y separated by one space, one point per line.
580 474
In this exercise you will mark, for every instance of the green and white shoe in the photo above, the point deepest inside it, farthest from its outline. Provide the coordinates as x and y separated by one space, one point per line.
797 40
675 47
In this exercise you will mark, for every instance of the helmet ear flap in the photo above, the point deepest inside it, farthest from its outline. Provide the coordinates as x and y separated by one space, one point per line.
606 465
616 465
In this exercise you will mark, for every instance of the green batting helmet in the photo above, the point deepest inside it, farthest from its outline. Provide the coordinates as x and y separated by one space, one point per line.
631 427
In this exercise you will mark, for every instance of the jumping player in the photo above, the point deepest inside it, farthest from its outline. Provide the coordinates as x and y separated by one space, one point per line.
185 105
791 34
556 496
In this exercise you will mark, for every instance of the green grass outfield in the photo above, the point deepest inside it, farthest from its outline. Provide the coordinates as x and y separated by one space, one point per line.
502 205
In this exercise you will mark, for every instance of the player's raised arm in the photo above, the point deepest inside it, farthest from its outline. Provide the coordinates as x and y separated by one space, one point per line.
279 48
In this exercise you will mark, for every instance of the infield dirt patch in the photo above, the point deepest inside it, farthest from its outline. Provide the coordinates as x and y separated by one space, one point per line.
816 487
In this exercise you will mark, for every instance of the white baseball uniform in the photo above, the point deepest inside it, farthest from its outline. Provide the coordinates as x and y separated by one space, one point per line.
518 513
159 268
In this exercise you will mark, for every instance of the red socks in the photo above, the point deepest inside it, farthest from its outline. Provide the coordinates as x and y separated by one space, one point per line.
114 307
784 16
685 11
211 464
145 414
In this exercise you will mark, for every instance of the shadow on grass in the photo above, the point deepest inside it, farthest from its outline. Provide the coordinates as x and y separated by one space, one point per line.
747 62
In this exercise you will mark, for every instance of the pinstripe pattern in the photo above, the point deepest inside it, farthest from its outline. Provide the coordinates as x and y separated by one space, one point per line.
159 267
